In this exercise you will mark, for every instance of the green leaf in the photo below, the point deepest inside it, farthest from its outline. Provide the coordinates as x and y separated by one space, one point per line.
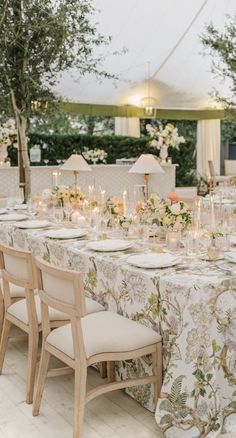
167 419
176 389
232 405
166 405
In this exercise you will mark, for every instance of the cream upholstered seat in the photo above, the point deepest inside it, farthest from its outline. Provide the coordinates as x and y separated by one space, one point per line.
89 339
19 310
104 332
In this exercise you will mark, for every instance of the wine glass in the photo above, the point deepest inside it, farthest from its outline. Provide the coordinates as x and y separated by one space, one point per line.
58 214
46 161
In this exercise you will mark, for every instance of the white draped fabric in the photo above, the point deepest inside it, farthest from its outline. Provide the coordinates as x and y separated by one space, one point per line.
127 126
208 145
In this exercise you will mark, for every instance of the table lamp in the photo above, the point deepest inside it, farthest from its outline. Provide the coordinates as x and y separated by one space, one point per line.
76 163
146 164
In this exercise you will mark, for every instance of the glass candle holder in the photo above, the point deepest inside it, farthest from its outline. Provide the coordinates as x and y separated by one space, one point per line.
173 240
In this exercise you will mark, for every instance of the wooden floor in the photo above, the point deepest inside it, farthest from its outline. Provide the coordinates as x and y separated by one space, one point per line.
115 415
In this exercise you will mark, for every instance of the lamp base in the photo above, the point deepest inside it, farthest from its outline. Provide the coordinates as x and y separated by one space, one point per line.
146 180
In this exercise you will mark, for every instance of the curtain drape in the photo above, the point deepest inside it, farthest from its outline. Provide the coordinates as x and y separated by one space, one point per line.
208 145
127 126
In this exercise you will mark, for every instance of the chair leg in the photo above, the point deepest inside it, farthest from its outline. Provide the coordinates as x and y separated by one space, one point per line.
103 370
31 367
80 400
111 372
157 371
1 312
43 369
4 341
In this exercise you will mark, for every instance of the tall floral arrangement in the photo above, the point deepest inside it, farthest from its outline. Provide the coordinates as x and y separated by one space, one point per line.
176 216
164 136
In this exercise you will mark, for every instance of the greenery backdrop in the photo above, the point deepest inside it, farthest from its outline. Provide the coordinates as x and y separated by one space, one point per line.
56 147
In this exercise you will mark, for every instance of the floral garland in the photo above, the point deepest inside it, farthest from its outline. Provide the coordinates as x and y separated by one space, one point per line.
164 136
176 216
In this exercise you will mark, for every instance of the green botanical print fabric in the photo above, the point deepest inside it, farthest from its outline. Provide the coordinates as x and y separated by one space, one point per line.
195 312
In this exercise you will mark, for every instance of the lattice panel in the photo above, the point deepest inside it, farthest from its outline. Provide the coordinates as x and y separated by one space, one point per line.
113 178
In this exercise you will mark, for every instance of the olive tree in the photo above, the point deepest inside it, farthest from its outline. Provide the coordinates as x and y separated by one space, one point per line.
221 44
38 40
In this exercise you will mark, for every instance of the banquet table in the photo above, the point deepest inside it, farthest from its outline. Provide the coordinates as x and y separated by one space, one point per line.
192 305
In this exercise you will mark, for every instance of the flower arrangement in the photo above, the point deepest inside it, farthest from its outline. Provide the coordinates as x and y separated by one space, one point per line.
115 206
176 216
95 155
124 221
63 194
8 133
163 137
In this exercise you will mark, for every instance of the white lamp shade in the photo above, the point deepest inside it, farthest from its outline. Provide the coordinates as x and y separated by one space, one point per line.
146 164
76 163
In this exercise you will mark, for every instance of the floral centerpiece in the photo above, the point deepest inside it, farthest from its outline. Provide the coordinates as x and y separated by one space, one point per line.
8 137
164 136
176 216
115 206
63 194
95 155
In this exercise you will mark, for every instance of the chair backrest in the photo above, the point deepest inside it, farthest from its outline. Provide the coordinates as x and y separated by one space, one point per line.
18 268
60 288
230 167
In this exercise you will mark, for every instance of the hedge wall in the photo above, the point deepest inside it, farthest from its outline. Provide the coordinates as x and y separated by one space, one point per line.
60 147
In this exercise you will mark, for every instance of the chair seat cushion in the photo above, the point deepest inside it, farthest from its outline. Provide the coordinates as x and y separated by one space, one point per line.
105 332
16 291
19 310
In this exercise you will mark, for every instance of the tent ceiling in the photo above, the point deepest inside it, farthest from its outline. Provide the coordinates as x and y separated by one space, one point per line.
164 33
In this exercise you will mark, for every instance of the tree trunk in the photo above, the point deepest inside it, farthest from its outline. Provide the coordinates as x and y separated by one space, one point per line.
23 158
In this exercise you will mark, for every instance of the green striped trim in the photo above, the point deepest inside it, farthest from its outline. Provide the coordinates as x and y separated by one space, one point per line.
132 111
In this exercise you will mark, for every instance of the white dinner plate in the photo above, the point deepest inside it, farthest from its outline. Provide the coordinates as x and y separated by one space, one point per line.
20 207
3 211
33 224
65 233
153 260
110 245
12 217
230 256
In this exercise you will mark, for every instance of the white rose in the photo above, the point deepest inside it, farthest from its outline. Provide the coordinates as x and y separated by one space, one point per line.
175 209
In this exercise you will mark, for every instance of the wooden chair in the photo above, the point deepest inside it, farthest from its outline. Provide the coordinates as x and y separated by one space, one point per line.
17 293
216 178
18 268
88 339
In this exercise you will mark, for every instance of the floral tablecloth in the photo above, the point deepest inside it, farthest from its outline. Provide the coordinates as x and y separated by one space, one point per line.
194 309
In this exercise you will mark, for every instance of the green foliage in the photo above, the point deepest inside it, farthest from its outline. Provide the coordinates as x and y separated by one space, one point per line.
38 40
222 46
68 124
